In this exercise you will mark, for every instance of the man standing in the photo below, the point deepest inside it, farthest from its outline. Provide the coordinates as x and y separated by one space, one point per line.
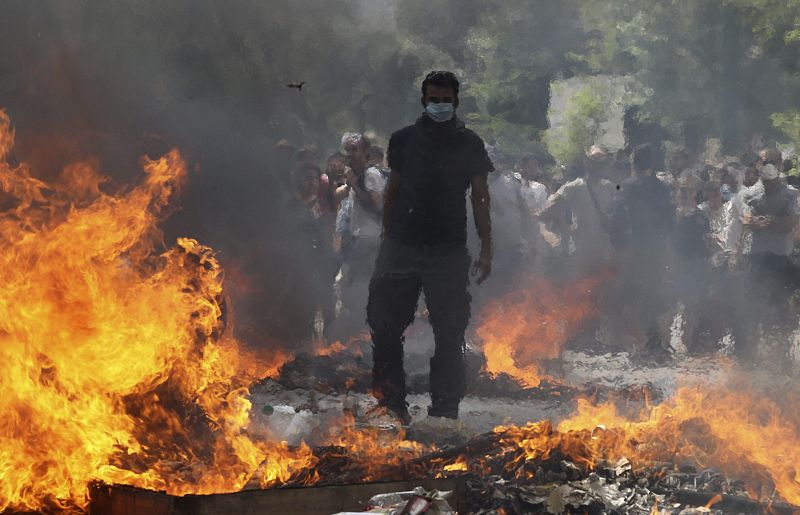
768 212
433 162
642 231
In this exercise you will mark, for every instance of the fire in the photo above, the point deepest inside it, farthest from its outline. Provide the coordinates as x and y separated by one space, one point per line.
352 346
117 365
460 465
375 452
532 324
746 435
333 348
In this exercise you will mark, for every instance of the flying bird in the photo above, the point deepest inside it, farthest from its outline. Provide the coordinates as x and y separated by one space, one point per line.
297 85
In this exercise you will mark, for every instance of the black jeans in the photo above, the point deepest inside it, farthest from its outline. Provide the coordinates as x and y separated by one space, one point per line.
401 272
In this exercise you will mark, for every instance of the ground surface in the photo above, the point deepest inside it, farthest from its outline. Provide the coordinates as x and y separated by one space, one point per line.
295 414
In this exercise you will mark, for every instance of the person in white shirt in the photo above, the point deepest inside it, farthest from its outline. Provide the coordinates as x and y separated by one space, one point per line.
768 213
590 199
357 234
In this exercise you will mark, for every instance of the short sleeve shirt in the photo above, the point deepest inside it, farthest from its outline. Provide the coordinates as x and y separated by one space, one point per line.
436 164
534 194
364 222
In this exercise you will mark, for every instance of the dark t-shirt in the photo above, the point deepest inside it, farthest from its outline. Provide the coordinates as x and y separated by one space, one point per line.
643 216
435 162
690 235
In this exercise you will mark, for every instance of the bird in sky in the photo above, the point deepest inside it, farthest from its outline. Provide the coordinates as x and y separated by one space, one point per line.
297 85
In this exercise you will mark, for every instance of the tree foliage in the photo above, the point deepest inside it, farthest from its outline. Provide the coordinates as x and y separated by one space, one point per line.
711 68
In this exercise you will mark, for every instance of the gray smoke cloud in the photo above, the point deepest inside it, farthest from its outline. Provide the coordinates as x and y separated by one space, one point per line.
120 79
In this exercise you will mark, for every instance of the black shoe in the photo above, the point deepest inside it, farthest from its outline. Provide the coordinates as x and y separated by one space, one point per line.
444 410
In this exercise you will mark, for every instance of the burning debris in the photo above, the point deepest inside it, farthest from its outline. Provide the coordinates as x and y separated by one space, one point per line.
124 373
119 368
525 329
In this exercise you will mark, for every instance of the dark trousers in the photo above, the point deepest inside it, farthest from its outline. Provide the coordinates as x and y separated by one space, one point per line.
770 281
401 272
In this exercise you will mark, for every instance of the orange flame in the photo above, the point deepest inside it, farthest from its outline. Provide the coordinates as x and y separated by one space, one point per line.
116 364
532 324
373 449
460 465
745 435
352 346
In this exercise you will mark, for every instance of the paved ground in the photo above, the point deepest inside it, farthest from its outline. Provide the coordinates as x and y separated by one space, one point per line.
301 414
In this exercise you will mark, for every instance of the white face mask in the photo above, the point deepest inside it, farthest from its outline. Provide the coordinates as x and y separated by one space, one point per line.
440 112
769 172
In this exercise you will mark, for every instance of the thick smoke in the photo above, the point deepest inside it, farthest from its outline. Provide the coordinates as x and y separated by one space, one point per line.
116 80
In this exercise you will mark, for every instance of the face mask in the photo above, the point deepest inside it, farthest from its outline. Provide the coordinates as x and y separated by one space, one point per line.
769 172
441 112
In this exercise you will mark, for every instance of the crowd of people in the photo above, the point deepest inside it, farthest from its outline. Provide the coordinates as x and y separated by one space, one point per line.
711 238
340 208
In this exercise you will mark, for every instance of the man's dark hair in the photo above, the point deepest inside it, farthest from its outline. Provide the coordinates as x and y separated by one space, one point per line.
441 78
335 156
643 158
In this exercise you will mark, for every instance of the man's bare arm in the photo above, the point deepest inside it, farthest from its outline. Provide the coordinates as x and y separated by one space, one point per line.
389 197
483 223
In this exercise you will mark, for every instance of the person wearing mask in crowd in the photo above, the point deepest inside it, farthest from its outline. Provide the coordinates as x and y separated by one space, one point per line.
641 229
768 212
358 233
433 163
